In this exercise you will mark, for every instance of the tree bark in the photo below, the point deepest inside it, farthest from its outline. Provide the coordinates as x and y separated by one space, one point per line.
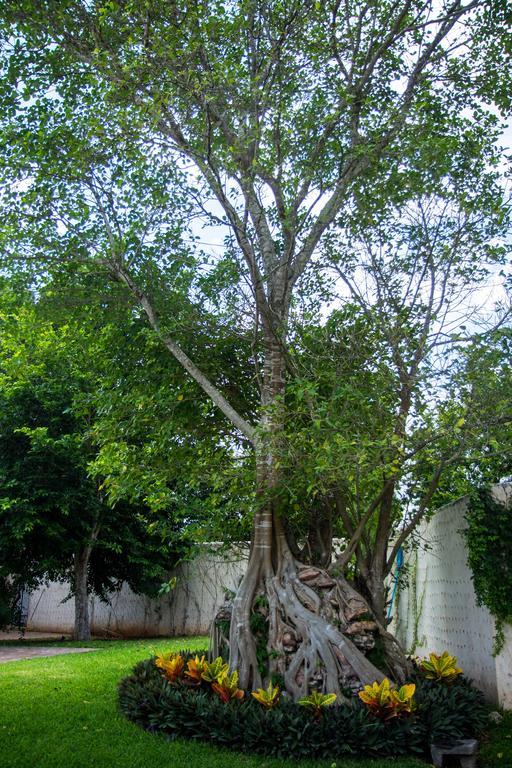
373 588
243 650
82 558
318 548
81 569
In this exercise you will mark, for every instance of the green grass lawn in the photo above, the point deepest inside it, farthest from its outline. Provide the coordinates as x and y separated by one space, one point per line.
61 712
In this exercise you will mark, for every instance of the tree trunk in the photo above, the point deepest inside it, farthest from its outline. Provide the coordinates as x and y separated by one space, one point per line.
81 572
81 568
377 595
374 587
318 548
287 618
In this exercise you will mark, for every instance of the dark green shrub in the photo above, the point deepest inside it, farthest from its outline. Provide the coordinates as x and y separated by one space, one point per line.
496 751
451 711
177 710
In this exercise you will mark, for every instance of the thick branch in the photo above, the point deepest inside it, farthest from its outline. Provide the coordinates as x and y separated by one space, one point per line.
355 537
206 385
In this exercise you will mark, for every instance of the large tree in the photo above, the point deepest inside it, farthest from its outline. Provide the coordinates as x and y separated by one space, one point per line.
283 111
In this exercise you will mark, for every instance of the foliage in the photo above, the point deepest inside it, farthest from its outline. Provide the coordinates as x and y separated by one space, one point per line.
489 543
377 696
148 411
316 702
288 731
479 393
496 749
442 668
226 687
269 697
258 623
401 699
195 669
171 664
450 712
51 509
386 702
75 720
8 598
215 670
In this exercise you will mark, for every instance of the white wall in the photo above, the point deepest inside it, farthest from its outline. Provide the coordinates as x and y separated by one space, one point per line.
438 610
187 610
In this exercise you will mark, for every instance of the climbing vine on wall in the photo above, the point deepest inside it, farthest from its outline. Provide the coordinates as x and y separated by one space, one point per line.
416 605
489 542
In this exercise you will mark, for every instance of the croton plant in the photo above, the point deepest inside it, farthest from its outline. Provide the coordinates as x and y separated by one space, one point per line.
442 668
183 695
383 700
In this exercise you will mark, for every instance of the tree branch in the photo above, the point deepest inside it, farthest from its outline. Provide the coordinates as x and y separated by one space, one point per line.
206 385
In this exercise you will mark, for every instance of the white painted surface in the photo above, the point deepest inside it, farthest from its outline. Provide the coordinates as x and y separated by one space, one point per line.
438 610
187 610
504 671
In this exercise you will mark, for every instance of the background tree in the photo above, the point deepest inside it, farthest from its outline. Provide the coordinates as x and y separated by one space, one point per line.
284 111
480 387
55 520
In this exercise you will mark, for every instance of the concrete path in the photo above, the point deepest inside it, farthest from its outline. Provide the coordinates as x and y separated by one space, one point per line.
20 652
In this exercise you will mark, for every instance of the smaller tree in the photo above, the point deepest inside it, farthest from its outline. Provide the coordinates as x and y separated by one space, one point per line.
55 521
402 397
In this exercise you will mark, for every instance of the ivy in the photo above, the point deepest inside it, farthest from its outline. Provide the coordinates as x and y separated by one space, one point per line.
489 542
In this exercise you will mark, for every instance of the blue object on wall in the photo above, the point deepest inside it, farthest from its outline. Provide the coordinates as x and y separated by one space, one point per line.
399 564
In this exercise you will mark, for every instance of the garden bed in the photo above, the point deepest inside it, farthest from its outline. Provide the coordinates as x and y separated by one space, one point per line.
178 706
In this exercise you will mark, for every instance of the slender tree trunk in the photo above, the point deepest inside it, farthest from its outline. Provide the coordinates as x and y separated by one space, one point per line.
81 570
243 650
377 570
376 594
318 549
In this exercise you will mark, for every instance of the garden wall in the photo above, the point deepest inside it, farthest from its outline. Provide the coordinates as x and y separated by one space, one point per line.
437 611
187 610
